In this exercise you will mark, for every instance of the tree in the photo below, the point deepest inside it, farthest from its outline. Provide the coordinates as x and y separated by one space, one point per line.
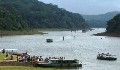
3 51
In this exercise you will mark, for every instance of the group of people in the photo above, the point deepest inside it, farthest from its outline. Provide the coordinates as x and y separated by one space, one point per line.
39 58
49 58
104 55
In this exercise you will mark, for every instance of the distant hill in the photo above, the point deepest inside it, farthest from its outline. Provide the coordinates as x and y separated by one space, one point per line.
99 21
36 14
114 25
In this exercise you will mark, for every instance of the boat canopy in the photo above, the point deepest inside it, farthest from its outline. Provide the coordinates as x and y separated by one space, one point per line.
10 50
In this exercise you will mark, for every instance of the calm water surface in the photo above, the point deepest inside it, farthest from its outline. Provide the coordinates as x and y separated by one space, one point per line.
82 46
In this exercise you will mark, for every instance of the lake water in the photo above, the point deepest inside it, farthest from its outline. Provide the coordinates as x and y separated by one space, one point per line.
77 45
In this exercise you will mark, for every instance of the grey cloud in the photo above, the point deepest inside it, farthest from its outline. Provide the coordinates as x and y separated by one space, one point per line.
87 6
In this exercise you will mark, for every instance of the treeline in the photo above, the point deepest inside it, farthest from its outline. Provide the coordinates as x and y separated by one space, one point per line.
22 14
114 25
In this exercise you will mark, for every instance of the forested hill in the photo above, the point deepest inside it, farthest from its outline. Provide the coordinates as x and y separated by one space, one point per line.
35 14
10 21
99 21
114 25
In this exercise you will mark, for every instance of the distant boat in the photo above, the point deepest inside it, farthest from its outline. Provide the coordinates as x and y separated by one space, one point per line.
49 40
59 63
107 56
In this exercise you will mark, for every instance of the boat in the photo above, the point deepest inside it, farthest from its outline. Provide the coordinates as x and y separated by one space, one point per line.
49 40
59 63
107 56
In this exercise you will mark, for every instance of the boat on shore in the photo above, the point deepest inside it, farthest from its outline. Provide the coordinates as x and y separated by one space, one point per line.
107 56
59 63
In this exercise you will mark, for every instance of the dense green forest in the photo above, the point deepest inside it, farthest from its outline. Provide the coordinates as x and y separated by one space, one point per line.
11 21
22 14
114 25
100 21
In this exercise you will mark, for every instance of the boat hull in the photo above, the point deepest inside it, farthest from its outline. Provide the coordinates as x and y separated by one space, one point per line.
111 59
58 65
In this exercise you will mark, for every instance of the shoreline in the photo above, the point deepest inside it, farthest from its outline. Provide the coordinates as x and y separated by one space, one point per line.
29 32
24 32
107 34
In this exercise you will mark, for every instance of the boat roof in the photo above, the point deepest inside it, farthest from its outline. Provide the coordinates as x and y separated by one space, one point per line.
48 39
9 49
107 54
64 60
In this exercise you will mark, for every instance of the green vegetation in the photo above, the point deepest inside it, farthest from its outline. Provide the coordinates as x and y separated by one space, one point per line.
26 14
23 68
2 56
9 20
53 29
23 32
114 25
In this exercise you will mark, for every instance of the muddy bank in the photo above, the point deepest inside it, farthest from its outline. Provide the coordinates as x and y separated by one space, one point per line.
108 34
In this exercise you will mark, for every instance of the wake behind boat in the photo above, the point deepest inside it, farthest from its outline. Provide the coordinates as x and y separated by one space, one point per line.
107 56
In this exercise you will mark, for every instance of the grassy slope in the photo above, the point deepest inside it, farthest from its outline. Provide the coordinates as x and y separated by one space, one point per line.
2 56
24 32
23 68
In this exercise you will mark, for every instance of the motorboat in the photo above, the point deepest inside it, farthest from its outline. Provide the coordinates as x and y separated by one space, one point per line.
49 40
107 56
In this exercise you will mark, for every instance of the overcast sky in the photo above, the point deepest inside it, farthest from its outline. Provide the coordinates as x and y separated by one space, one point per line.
87 7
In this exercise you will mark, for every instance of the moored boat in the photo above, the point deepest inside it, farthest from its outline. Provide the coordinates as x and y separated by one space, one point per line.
107 56
49 40
59 63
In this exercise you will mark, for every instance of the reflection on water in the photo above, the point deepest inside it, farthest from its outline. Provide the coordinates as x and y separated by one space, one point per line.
70 68
82 46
